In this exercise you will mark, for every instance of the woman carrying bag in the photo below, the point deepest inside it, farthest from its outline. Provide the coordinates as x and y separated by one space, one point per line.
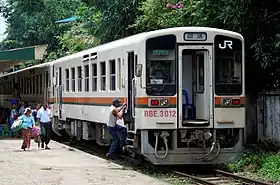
27 123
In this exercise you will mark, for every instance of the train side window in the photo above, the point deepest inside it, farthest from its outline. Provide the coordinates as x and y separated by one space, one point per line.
86 72
94 77
33 84
67 80
24 86
112 66
73 79
21 85
119 74
135 62
41 84
79 78
103 76
200 73
29 85
37 84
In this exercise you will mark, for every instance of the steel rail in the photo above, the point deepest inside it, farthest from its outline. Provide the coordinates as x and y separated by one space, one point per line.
244 179
196 179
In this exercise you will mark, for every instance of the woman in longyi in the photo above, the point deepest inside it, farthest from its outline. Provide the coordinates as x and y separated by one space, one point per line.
27 124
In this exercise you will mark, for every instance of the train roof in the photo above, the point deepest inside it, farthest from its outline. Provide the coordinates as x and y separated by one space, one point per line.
127 41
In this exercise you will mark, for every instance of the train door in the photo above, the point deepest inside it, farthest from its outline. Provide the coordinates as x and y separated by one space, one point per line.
200 96
60 92
195 86
130 114
46 86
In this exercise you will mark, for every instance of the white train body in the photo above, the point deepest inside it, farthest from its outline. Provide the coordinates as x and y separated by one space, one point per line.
152 72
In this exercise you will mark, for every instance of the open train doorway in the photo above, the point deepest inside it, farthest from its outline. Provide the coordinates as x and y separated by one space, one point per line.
195 86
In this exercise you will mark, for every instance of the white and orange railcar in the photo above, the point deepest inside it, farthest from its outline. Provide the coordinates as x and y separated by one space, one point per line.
184 88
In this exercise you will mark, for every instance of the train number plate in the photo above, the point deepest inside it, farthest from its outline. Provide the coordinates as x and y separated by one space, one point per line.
160 113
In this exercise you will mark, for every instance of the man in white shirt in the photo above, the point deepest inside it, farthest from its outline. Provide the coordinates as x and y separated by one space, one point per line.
117 132
44 116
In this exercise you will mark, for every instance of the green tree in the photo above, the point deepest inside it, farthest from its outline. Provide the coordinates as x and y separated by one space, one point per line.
257 21
110 19
33 22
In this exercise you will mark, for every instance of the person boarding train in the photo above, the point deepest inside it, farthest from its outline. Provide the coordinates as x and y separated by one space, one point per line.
117 132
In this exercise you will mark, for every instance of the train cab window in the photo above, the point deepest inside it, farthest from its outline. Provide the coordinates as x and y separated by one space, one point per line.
112 66
119 74
94 77
67 80
73 79
86 72
79 69
103 76
161 66
228 65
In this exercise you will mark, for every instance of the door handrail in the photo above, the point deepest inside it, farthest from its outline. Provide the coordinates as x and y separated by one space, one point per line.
133 85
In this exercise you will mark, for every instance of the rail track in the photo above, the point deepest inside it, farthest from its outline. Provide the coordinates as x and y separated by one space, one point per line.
221 178
216 177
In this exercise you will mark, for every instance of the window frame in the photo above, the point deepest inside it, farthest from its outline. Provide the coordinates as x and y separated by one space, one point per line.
112 74
102 76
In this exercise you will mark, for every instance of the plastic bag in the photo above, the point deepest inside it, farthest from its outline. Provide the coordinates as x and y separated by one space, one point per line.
17 125
36 131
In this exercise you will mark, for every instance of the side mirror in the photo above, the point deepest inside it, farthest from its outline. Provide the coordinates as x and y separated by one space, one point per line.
139 68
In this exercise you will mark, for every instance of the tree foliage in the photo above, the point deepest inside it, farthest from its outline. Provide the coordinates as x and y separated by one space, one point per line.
33 22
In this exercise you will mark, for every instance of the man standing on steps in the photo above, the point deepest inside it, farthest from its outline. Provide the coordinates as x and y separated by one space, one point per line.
44 116
118 132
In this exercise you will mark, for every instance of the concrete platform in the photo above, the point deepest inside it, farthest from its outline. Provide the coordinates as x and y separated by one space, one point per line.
61 166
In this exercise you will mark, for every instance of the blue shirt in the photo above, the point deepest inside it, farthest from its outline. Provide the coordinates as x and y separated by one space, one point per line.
21 110
27 122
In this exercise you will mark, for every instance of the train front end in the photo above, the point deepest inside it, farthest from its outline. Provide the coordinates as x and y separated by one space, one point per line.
190 105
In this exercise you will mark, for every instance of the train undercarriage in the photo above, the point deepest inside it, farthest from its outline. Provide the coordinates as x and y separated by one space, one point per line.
165 147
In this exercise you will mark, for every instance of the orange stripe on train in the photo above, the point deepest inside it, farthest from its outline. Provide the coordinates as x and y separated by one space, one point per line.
108 100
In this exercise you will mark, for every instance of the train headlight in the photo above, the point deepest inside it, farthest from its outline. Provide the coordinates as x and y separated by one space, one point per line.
158 102
226 102
164 103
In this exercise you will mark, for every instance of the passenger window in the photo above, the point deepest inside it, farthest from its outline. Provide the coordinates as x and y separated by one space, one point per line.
73 79
67 82
94 77
79 79
37 84
41 84
21 85
33 85
119 74
103 76
24 85
112 65
29 85
86 69
200 73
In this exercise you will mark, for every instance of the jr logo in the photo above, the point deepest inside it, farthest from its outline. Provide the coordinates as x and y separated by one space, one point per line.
226 43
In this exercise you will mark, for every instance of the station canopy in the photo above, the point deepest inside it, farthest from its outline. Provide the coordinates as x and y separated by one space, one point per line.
10 58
